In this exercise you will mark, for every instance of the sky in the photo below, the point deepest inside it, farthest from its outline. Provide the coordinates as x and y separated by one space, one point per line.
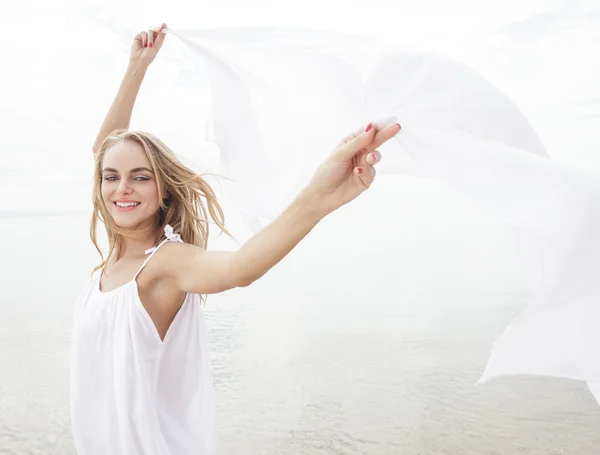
63 61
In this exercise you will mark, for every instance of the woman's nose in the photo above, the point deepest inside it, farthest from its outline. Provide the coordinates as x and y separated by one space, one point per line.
124 187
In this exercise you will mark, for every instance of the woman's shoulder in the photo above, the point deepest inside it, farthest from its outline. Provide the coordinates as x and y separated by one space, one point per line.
173 254
171 263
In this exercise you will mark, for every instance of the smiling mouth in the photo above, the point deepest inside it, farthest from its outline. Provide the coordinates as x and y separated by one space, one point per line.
126 205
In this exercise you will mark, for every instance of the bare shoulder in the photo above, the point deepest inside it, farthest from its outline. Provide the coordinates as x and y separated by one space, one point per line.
192 269
159 280
172 256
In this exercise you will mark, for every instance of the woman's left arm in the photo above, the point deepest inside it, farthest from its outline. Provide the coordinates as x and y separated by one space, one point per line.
144 49
347 172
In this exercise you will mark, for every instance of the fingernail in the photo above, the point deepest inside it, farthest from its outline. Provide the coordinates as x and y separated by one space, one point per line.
373 157
359 170
150 44
369 126
398 125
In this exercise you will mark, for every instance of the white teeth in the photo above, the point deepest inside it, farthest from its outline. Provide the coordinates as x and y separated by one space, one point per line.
127 204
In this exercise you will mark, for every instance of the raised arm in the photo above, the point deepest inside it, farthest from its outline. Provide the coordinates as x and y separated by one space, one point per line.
144 49
341 178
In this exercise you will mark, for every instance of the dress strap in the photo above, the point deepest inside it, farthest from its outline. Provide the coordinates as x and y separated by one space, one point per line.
170 237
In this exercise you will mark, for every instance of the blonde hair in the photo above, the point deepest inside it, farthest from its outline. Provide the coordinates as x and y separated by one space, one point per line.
189 203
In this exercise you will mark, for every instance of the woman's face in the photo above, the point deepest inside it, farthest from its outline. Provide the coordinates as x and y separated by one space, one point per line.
129 188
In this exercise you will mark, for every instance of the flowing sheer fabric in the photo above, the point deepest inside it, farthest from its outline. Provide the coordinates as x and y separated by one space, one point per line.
282 98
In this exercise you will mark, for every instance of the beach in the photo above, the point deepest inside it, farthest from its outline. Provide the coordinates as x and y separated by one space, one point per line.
311 358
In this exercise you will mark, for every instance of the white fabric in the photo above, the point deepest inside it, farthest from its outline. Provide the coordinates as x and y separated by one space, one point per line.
282 99
595 389
131 393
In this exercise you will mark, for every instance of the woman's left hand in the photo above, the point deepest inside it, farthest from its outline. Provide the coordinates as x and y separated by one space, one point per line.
146 45
350 170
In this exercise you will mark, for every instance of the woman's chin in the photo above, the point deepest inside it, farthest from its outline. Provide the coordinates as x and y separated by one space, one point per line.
128 222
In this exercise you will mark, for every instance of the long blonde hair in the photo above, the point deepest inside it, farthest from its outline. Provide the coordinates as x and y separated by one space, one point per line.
187 208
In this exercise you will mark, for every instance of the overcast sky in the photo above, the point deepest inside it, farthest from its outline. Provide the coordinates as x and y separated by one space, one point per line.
63 60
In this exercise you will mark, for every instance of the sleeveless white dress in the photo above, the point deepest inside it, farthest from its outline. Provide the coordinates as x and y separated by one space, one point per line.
131 392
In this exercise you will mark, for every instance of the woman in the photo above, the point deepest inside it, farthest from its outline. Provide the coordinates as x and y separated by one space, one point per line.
140 373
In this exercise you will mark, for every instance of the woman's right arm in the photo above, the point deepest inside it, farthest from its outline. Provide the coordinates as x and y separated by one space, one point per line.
144 49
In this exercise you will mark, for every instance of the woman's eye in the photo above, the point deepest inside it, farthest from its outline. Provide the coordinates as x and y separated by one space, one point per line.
139 178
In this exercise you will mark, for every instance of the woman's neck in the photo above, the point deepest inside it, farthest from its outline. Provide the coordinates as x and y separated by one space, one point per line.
134 248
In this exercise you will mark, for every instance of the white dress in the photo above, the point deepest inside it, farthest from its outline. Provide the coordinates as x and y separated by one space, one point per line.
131 392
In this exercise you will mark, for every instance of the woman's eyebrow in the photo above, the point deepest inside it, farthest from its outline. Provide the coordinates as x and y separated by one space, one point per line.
137 169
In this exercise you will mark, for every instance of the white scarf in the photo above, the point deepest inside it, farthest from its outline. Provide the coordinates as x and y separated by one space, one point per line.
281 98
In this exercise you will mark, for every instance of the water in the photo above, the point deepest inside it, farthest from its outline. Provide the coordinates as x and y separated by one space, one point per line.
309 360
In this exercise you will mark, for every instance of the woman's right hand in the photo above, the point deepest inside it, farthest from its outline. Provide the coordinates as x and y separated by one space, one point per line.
146 45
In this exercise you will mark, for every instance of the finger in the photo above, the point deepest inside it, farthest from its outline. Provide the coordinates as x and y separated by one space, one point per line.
356 133
143 39
150 35
139 39
355 142
372 158
366 174
159 39
384 135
